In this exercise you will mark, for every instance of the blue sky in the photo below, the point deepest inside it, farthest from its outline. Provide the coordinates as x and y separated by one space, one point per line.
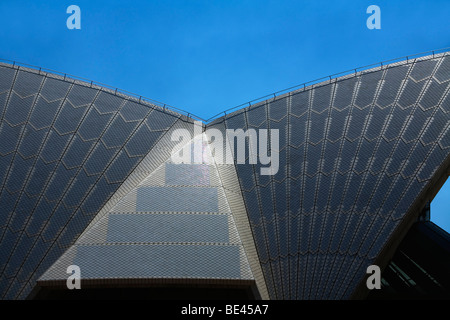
205 56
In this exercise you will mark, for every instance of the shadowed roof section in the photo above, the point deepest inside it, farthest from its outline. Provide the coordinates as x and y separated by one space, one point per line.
359 157
68 146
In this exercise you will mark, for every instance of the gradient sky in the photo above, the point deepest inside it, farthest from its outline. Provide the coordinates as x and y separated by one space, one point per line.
205 56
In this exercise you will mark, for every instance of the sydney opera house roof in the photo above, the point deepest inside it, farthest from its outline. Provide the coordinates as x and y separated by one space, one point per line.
87 179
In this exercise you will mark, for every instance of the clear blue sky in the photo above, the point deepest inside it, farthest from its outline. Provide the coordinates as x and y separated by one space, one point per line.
206 56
